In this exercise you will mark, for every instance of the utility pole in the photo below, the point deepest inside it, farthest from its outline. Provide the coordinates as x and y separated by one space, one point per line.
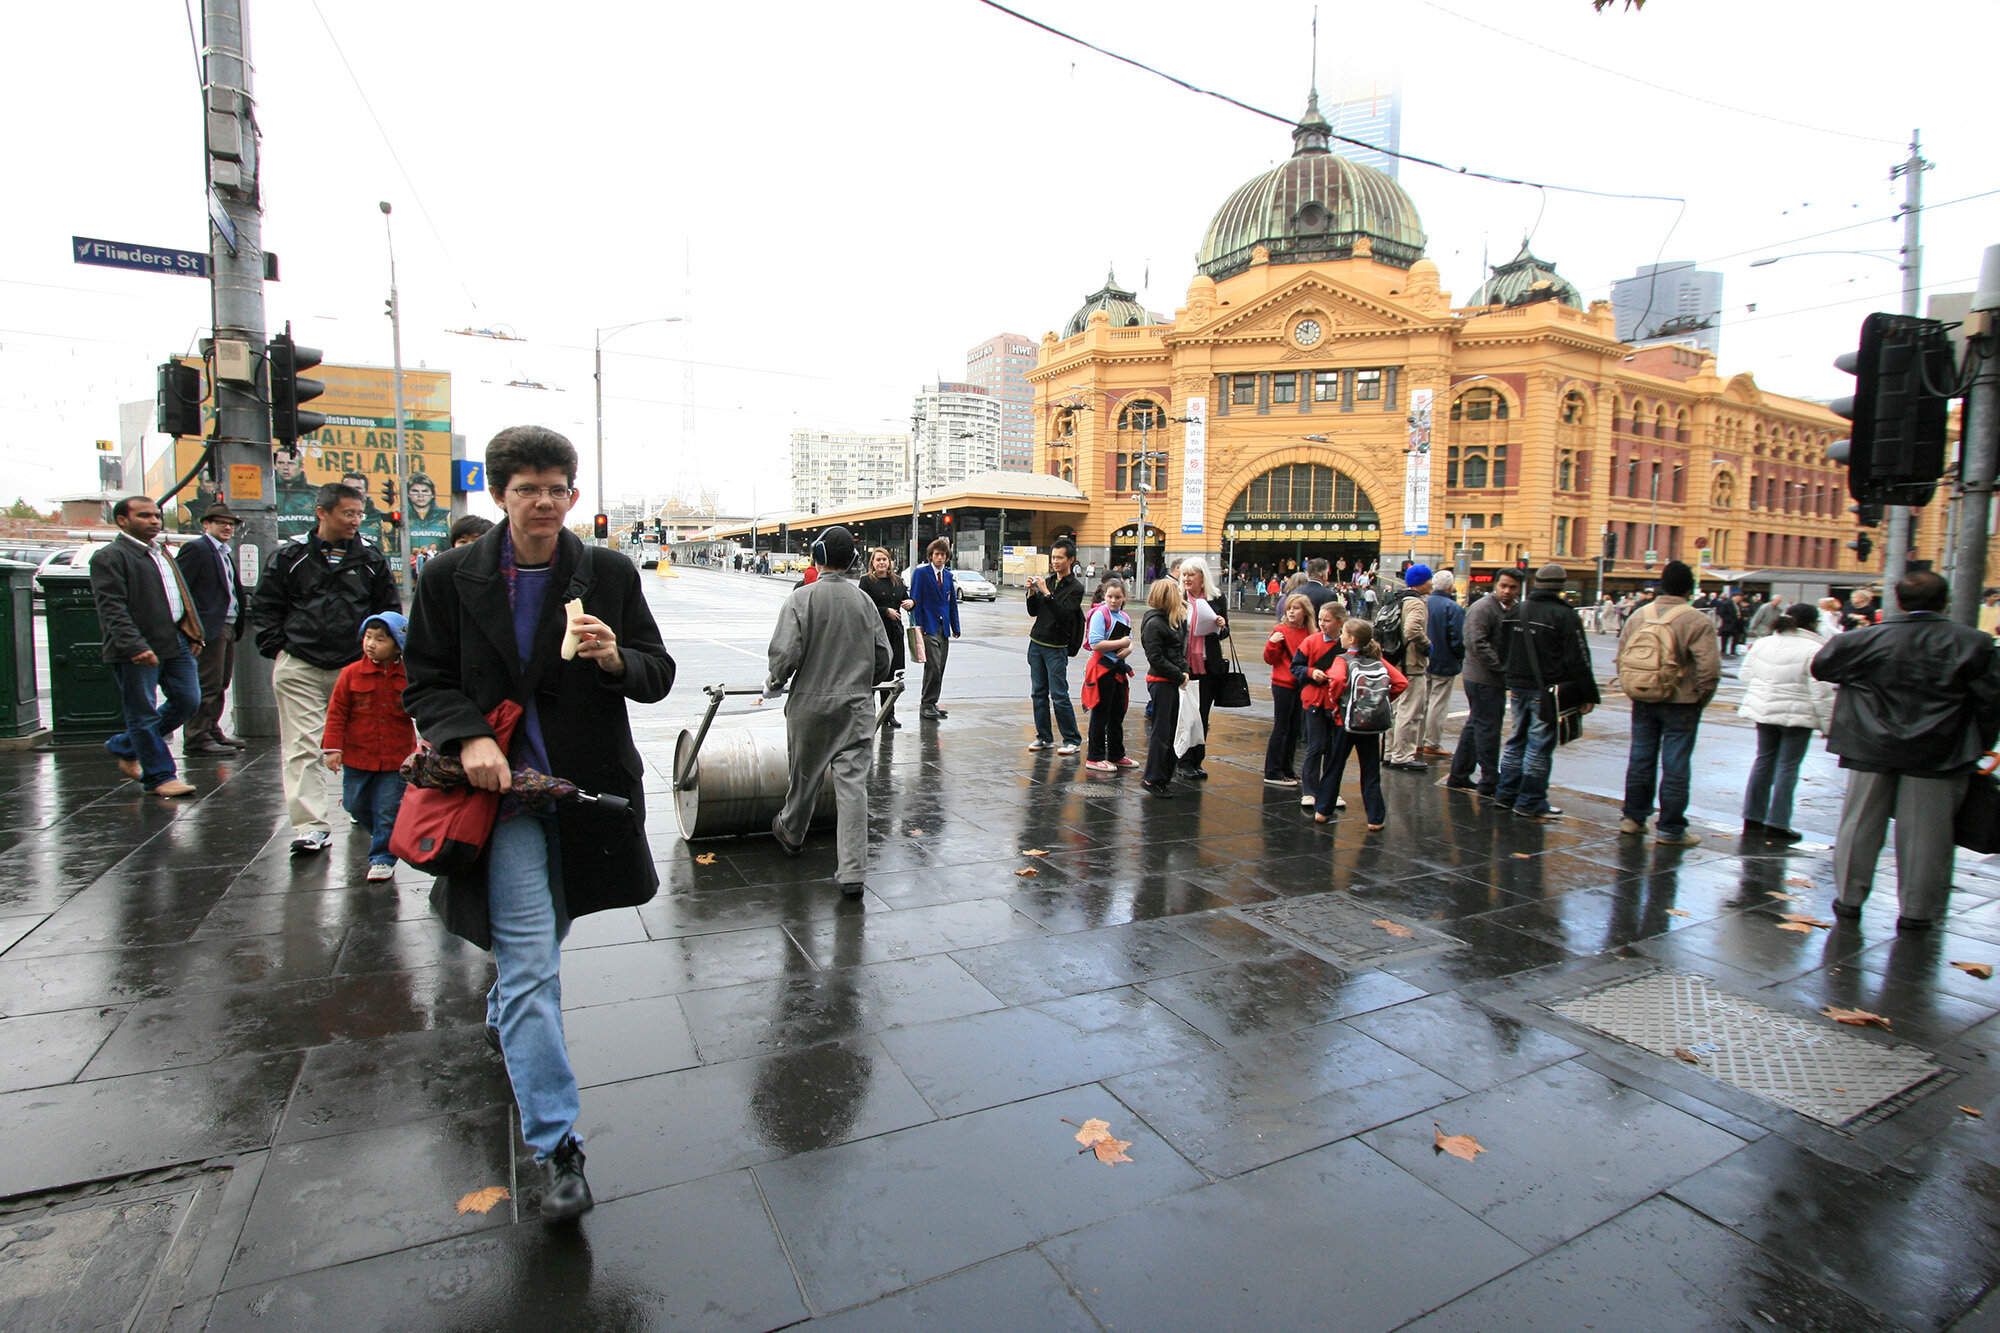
241 438
1898 517
916 468
409 571
1979 437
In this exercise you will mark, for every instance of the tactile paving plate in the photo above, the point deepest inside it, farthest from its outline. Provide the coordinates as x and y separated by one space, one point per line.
1343 930
1808 1065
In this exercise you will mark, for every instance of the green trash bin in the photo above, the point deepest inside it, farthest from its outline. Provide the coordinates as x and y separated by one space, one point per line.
83 692
20 699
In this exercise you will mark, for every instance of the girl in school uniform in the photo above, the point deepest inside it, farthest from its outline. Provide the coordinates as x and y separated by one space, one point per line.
1346 691
1294 627
1107 680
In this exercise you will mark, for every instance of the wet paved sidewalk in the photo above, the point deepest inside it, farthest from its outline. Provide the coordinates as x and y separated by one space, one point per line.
798 1108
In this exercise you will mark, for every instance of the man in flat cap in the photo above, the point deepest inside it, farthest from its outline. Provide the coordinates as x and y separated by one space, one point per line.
208 566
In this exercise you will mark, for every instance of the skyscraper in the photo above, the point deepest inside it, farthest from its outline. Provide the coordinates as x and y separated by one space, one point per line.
1670 303
997 366
1375 119
958 433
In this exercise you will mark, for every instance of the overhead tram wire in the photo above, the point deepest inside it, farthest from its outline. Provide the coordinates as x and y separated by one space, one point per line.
394 156
1657 87
1290 120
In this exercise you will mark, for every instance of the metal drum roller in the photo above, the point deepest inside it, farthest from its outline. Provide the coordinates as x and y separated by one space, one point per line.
732 782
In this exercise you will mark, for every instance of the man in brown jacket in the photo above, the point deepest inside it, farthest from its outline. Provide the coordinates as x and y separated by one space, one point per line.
1413 662
1663 731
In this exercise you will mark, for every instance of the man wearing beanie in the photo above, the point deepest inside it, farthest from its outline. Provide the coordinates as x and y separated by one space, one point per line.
831 649
1669 665
1542 648
1414 660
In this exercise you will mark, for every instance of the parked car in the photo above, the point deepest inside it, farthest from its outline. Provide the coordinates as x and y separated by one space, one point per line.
67 559
973 587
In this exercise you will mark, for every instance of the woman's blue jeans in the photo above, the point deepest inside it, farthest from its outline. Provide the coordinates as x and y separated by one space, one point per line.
526 911
1774 777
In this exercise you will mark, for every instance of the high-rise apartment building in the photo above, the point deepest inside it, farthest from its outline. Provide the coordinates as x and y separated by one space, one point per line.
831 469
998 366
1670 303
958 432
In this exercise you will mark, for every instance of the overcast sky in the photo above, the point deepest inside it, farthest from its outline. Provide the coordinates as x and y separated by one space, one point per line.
842 199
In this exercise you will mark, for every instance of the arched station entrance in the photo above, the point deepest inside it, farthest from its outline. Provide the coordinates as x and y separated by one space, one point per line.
1297 511
1124 548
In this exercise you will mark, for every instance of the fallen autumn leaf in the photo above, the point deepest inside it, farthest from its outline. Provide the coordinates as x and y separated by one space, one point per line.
1984 971
1788 897
1683 1053
1799 880
1461 1146
1034 851
1800 926
705 859
1675 911
482 1201
1521 856
1027 872
1859 1018
1400 931
1095 1136
1808 919
1974 1112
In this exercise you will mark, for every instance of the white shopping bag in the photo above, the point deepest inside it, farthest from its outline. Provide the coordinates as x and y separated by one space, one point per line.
1187 730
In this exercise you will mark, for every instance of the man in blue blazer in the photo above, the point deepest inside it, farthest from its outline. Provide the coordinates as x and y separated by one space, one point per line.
935 593
208 567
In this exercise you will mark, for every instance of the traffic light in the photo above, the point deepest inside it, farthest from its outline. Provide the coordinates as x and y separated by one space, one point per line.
1867 515
1521 563
947 520
1903 378
393 519
178 402
1863 546
601 527
289 388
784 536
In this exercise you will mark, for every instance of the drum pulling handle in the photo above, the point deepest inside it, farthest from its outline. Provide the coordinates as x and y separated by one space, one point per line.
892 688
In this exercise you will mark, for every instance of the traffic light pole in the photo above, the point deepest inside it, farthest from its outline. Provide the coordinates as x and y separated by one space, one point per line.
1980 442
242 431
1895 560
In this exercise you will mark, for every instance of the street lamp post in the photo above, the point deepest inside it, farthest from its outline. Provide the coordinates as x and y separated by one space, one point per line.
408 572
598 376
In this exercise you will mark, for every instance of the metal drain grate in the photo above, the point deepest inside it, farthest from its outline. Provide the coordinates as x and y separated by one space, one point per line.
1809 1066
1343 931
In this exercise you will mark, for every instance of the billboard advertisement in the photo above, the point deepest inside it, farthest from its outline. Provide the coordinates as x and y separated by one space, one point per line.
1194 467
357 445
1417 467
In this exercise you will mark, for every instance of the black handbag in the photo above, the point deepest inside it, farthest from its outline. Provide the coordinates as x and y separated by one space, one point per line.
1977 827
1232 687
1568 722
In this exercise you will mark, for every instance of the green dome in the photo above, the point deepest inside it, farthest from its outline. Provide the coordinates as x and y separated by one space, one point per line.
1313 206
1122 306
1523 279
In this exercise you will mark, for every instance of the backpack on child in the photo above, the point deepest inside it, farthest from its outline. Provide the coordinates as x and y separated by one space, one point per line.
1367 706
1649 665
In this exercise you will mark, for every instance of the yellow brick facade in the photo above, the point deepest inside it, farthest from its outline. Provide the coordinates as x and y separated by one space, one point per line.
1282 352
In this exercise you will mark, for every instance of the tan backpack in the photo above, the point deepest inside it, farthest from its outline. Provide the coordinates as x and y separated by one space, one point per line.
1649 665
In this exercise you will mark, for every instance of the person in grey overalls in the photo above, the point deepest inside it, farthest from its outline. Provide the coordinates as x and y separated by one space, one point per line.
831 649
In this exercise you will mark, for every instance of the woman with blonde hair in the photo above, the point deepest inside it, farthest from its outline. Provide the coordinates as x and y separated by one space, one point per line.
1206 629
892 599
1162 634
1294 627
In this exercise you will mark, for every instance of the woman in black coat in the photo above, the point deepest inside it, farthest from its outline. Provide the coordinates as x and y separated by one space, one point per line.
1161 635
885 588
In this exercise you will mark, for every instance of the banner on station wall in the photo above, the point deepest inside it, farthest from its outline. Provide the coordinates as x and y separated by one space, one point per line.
1194 467
1417 467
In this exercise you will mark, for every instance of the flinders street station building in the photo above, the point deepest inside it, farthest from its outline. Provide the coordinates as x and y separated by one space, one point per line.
1319 394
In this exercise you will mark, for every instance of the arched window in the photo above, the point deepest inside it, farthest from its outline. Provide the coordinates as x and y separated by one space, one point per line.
1065 425
1574 408
1660 422
1479 405
1473 472
1142 414
1300 491
1724 493
1682 422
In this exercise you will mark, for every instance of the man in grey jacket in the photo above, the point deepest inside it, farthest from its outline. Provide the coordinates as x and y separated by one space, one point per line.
1485 689
822 649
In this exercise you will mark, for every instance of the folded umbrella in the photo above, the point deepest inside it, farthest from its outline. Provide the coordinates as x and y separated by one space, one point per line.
532 789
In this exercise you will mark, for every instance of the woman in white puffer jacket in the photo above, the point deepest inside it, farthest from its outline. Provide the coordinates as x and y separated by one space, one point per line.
1787 705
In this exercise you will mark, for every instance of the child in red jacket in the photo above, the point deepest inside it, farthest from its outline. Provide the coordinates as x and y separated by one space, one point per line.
1294 627
1346 688
368 736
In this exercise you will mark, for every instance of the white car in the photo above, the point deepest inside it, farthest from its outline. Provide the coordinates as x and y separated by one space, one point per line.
972 586
68 559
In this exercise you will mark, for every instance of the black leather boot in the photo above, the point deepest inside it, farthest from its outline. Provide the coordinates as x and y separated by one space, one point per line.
568 1193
